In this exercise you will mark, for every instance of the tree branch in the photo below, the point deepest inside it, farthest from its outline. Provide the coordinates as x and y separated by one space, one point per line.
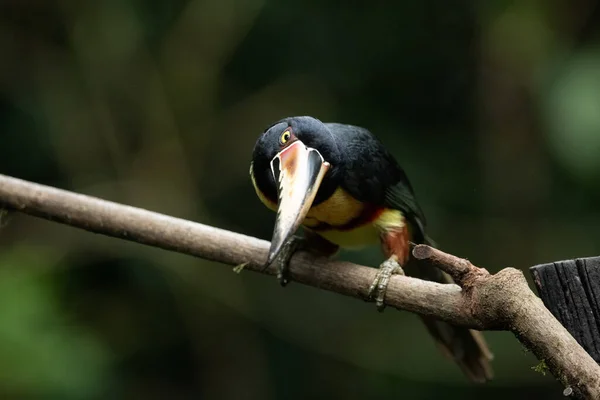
494 302
504 301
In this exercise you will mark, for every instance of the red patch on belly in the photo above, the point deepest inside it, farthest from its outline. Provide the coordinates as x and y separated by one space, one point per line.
368 215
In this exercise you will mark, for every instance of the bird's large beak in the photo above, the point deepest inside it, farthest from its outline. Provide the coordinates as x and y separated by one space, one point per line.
299 171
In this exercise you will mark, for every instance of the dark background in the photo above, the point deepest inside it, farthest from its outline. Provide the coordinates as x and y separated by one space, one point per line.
492 108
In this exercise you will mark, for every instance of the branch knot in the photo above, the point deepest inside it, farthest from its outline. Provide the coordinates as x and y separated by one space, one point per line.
465 274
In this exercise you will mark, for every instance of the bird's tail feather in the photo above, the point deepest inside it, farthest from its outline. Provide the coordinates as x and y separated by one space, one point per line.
466 347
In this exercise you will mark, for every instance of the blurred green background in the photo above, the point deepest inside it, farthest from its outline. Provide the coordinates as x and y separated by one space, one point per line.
492 108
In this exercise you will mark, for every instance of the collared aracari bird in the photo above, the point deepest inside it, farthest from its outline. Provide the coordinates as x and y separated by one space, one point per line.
341 184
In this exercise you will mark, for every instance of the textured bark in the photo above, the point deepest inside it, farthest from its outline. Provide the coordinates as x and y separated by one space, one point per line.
504 301
483 301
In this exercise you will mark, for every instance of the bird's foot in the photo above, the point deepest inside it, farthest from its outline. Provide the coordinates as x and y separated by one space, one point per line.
282 262
379 286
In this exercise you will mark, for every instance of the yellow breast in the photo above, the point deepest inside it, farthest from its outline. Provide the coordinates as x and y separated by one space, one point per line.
339 209
367 234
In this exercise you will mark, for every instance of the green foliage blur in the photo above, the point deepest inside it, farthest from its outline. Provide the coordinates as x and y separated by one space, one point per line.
492 108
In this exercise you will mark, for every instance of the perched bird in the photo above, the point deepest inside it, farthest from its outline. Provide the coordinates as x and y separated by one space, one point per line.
341 184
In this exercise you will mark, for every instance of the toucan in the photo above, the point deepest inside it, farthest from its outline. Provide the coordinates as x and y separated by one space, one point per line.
347 191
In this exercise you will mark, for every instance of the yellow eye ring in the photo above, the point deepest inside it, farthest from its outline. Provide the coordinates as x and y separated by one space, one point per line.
285 136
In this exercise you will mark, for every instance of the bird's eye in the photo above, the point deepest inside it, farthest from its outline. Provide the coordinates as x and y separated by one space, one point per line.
285 136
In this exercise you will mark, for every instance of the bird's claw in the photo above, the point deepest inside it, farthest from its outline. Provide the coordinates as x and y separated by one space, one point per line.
282 262
378 288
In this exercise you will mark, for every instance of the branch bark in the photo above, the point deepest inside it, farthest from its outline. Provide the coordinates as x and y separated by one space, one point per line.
483 301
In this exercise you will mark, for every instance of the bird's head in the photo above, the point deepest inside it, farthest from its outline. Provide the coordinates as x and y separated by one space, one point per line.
297 161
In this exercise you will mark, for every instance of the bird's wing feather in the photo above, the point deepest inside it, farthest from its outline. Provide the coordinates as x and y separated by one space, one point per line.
400 197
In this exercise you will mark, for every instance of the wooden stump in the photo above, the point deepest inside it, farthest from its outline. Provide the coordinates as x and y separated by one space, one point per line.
571 291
